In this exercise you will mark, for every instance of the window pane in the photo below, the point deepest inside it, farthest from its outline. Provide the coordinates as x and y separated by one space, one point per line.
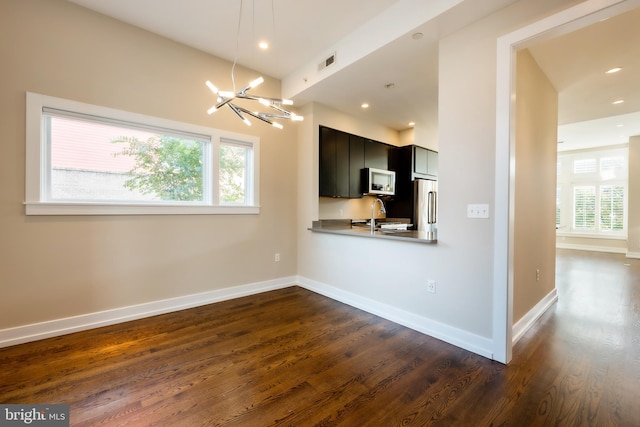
584 166
611 167
611 208
93 161
233 173
584 208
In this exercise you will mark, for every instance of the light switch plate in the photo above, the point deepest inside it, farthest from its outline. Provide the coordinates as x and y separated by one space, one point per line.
478 211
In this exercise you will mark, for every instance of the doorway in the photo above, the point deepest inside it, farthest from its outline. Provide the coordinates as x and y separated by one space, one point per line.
564 22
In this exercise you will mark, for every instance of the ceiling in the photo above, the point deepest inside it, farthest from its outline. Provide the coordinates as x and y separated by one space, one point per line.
372 37
576 64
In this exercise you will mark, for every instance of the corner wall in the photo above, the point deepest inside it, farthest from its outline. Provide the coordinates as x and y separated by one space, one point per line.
535 186
59 267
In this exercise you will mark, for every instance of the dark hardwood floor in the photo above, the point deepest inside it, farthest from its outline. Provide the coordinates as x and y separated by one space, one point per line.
295 358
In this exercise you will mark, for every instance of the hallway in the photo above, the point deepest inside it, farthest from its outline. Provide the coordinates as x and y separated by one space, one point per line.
586 348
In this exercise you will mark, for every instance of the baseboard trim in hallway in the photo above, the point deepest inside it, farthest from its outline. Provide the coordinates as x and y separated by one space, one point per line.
528 320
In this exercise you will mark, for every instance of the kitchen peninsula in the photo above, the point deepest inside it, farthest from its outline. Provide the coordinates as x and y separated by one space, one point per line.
348 227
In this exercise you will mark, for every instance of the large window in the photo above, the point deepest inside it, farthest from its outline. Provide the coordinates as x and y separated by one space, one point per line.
84 159
591 196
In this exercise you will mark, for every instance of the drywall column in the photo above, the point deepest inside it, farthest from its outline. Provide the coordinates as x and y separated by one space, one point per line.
633 214
535 186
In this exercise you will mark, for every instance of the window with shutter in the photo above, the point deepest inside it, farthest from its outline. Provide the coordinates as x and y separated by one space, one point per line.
584 210
594 199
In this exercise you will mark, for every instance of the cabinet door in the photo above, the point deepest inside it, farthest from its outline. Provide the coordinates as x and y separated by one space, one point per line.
420 161
376 155
356 164
334 163
328 167
342 164
433 163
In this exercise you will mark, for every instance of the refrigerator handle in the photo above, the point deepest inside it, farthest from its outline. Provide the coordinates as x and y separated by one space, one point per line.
432 209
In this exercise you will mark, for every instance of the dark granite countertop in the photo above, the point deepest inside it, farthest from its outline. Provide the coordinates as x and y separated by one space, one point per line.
360 229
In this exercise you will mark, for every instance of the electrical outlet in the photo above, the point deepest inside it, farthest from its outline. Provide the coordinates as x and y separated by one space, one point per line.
276 257
537 274
431 286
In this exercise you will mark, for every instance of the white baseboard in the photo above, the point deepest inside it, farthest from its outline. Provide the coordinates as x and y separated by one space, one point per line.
459 338
591 248
526 322
634 255
37 331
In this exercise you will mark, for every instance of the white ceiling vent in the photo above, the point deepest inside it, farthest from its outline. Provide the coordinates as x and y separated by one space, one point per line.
330 60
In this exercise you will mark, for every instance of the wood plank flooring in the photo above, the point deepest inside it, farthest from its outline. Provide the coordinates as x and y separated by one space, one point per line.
295 358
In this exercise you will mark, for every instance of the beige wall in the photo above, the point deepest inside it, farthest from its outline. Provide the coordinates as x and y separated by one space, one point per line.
55 267
633 235
535 185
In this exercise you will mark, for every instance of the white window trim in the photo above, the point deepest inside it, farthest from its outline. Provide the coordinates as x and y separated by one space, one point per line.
37 164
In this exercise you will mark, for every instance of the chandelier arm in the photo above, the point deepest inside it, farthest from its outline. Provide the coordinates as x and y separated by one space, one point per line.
287 113
282 110
224 102
256 115
275 116
243 92
237 111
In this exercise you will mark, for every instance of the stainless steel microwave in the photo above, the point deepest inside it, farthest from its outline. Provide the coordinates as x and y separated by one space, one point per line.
378 181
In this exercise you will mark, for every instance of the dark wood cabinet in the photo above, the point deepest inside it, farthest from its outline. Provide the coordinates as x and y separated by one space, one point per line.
343 156
418 162
433 163
410 162
334 163
356 164
376 155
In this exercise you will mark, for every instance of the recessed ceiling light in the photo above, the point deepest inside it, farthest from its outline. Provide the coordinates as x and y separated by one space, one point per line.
620 125
417 36
263 45
619 101
412 124
389 85
614 70
364 105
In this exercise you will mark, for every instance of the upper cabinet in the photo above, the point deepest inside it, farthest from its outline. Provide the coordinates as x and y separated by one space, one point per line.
425 163
356 164
412 161
342 158
376 155
334 163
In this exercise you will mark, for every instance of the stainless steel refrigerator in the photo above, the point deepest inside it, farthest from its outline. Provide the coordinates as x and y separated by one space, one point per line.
425 205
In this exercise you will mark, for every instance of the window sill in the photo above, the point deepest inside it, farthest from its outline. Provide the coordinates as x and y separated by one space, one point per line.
592 235
68 208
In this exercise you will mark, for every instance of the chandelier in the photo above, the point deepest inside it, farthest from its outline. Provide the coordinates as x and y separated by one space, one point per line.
228 97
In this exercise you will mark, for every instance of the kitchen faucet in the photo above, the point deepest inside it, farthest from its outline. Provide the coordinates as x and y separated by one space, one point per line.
373 213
